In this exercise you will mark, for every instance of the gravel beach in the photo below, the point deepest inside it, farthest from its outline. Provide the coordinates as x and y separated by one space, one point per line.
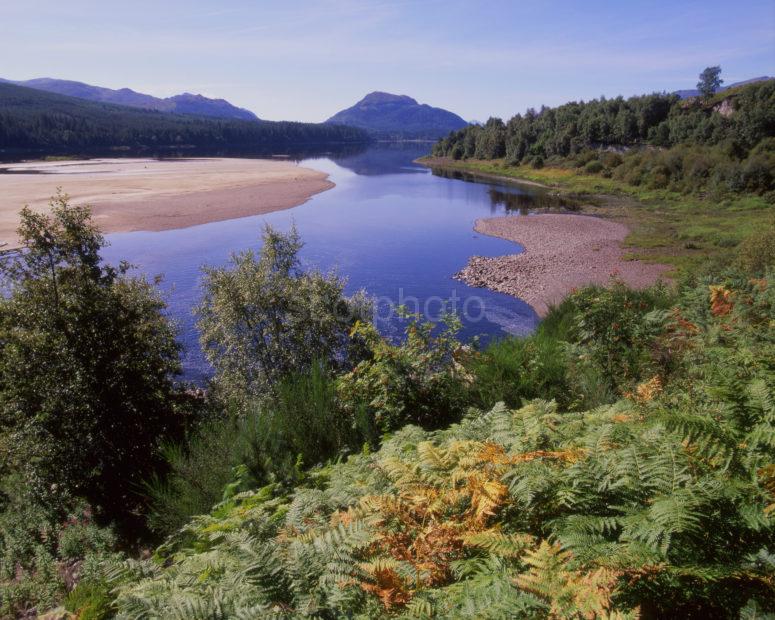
562 252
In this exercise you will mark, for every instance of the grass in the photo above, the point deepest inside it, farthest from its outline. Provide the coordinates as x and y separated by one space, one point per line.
665 227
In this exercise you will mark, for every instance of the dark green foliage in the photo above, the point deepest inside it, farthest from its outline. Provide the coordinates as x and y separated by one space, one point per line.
86 365
35 119
514 370
693 169
565 130
43 555
594 167
299 426
617 327
585 353
302 424
90 600
200 467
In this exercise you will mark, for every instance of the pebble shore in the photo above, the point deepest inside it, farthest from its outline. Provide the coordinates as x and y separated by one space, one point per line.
562 252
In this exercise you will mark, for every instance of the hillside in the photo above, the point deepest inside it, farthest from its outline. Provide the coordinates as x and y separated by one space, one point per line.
658 119
389 115
185 103
34 119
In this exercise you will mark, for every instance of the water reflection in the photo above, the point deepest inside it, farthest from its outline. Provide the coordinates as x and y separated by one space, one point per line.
519 198
519 203
385 158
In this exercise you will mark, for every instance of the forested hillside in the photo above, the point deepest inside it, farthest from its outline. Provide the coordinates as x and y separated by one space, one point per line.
37 119
723 143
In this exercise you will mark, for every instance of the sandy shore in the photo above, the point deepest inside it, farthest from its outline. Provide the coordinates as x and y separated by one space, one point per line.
148 194
562 252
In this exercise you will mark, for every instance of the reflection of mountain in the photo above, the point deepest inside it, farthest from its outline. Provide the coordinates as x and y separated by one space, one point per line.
311 151
385 158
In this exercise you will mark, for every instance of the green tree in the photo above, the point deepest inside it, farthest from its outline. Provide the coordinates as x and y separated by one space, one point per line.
263 318
86 365
710 81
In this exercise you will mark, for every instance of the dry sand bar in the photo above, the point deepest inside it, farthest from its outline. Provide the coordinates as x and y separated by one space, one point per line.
149 194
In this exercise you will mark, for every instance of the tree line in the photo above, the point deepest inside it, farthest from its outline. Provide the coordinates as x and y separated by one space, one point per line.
36 119
723 140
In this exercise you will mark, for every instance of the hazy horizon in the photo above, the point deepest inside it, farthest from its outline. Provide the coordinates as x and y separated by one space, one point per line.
307 61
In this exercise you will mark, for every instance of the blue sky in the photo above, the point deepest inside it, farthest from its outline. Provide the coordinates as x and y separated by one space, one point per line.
307 60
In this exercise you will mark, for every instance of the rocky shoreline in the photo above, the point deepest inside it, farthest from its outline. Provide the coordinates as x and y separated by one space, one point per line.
562 252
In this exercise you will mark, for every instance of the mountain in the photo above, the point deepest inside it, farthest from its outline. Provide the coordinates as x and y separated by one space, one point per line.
35 119
180 104
388 115
693 92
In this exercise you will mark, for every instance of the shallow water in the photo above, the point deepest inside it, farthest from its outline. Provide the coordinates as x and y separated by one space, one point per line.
390 226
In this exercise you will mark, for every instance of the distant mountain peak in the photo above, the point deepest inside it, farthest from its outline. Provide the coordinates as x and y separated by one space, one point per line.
186 103
379 97
386 114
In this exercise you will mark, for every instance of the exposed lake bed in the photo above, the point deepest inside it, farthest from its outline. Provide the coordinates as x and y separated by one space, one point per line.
562 252
157 194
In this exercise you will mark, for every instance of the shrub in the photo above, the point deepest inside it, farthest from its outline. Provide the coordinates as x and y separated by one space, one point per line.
758 173
618 328
514 370
418 381
303 424
270 440
42 557
611 159
90 601
756 253
584 158
200 467
80 536
262 317
593 167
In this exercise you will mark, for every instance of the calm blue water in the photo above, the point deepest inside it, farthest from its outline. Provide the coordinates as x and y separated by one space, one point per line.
389 226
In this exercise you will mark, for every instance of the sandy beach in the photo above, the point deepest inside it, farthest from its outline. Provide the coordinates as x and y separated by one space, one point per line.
562 252
148 194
